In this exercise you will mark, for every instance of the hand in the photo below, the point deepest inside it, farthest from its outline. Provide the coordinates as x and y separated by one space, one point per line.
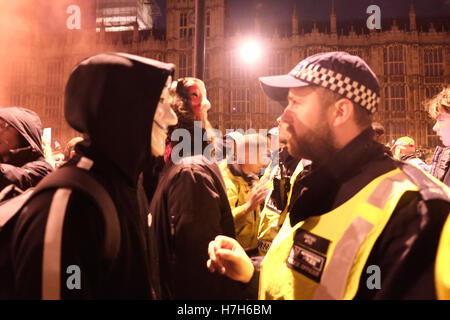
228 257
258 194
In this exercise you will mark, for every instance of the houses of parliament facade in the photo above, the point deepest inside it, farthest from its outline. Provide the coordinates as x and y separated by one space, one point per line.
410 57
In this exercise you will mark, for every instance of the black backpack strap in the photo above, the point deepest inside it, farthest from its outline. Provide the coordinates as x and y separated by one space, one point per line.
79 179
64 180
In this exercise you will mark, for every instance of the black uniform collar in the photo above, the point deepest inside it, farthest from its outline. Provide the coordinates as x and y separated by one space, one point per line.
319 189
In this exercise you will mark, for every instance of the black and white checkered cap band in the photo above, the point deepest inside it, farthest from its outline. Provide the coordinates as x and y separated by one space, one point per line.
335 81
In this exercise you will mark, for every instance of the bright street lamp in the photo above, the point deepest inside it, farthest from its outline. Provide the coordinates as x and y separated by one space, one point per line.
250 51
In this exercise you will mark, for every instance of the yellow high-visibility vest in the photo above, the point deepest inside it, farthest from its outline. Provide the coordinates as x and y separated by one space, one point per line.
442 267
238 193
323 257
271 221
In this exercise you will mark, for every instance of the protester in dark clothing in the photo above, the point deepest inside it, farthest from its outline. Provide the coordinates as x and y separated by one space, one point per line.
112 99
189 208
22 165
22 161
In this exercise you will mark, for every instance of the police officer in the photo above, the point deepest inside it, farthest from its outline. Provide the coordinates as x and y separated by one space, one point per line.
362 225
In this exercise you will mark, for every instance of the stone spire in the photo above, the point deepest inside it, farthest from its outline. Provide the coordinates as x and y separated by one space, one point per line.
352 30
333 27
315 29
135 31
432 28
276 33
412 17
394 25
294 20
257 24
102 32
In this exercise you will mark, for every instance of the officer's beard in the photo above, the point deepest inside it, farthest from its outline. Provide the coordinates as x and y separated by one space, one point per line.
315 144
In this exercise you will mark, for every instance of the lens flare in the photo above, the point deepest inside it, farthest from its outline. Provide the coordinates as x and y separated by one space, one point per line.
250 51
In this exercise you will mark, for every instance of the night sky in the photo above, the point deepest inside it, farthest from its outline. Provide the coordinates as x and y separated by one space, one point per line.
278 11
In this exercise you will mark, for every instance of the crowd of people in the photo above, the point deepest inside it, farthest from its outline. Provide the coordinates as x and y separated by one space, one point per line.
303 212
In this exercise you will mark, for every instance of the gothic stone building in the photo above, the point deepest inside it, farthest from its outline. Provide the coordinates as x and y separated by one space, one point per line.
410 57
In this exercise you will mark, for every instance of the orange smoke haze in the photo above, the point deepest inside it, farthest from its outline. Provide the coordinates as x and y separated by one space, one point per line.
37 52
27 27
16 29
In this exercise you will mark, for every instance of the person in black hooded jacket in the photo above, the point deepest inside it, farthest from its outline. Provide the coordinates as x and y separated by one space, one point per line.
114 99
22 165
22 161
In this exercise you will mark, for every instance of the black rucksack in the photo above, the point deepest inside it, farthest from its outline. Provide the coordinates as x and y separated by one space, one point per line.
65 177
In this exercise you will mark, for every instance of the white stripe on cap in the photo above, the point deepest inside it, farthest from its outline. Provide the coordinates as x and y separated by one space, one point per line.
51 260
335 81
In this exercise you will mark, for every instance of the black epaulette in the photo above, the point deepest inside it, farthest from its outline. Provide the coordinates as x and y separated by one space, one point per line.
429 189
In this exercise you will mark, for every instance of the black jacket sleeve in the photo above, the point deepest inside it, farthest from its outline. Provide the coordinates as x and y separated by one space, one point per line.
24 177
406 251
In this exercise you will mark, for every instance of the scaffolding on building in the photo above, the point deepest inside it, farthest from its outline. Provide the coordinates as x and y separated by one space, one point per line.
120 15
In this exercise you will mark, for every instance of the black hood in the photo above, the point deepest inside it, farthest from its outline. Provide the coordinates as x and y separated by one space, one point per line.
111 98
27 123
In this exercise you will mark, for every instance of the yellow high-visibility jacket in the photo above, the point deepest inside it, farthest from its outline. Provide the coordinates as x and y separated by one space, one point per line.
442 267
323 257
238 192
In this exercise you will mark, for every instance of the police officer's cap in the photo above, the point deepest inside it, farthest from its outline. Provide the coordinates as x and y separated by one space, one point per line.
340 72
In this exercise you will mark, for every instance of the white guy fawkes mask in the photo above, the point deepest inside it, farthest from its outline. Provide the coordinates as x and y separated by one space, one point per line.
164 117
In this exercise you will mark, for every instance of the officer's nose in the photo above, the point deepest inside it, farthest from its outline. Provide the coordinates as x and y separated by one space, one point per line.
286 117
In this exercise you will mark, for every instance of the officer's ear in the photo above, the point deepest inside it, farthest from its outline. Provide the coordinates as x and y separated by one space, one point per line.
342 112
